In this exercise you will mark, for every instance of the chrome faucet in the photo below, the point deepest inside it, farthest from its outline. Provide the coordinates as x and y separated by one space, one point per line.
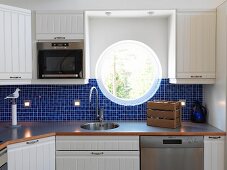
99 112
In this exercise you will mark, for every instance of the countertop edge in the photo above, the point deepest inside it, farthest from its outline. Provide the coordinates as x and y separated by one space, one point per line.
38 130
5 144
140 133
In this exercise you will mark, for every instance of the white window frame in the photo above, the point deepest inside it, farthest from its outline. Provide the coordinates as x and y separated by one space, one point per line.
127 102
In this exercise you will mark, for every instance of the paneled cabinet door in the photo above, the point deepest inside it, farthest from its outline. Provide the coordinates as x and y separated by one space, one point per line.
214 153
195 48
97 160
59 25
196 44
32 155
15 43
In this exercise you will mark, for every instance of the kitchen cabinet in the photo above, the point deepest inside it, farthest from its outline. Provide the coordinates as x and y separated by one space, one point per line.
194 62
59 25
98 160
214 152
97 152
97 143
15 45
38 154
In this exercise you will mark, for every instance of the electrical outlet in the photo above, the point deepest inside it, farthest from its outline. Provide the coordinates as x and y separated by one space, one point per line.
77 103
183 102
27 103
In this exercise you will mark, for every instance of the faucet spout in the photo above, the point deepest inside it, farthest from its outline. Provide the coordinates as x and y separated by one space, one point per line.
97 99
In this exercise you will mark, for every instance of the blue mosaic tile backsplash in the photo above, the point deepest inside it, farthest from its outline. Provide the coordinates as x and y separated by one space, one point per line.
55 102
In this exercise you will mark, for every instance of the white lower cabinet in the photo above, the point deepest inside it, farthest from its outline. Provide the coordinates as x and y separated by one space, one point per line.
214 152
97 160
97 153
36 154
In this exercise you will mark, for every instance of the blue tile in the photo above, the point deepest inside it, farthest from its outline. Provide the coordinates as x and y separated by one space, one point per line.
55 102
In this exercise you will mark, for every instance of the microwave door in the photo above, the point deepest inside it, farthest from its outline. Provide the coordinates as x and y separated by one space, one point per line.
61 64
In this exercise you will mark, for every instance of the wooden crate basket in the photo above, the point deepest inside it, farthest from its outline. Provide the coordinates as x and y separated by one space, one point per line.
164 105
164 114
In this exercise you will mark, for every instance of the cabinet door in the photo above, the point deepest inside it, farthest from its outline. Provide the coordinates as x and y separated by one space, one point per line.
97 160
15 44
32 155
213 153
59 25
196 45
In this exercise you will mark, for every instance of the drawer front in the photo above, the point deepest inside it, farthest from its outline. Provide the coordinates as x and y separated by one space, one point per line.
31 142
97 143
98 160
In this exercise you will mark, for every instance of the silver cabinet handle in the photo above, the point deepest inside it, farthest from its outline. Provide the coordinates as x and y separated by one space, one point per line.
32 142
59 38
97 153
15 77
214 137
196 76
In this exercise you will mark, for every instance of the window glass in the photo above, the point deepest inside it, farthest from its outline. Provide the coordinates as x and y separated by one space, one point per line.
128 72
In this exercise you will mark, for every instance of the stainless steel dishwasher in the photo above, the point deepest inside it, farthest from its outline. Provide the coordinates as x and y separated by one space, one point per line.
172 152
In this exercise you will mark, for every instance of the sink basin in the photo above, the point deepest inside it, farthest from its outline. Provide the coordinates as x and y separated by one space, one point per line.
99 126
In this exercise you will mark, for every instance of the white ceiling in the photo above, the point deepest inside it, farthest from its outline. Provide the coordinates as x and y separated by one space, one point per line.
112 4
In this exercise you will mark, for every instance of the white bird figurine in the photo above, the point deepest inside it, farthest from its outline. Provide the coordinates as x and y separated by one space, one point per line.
13 95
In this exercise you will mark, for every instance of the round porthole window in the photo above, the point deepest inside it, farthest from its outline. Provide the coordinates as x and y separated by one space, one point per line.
128 72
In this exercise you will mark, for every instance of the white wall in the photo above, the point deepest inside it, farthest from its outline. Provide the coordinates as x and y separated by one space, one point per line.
215 95
113 4
151 31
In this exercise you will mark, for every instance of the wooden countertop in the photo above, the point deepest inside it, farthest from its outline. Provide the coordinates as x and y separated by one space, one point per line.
35 130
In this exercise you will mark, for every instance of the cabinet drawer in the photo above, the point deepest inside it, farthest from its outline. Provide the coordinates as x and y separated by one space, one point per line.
96 153
98 160
97 143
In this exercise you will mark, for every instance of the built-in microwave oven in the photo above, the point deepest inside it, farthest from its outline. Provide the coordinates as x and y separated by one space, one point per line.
60 60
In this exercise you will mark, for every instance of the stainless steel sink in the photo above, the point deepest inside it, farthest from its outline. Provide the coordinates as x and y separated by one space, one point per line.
99 126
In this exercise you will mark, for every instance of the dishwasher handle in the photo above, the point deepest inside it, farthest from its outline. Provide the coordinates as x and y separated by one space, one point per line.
171 141
97 153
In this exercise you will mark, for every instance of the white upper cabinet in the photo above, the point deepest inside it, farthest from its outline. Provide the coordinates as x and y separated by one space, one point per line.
59 25
195 48
15 45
